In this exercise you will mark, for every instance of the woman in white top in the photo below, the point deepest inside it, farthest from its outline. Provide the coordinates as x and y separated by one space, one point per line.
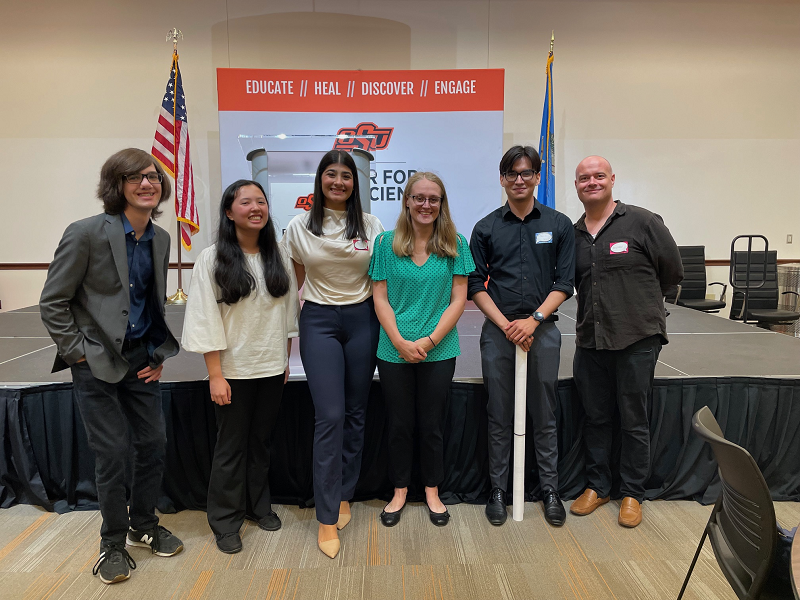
241 313
331 247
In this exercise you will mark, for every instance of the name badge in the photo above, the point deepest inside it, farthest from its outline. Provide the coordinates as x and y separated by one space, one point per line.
361 244
544 237
619 247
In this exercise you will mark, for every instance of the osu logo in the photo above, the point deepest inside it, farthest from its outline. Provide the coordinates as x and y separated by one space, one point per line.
305 202
379 142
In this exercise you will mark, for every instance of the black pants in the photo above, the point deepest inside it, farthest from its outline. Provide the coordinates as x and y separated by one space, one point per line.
239 482
416 394
116 416
498 359
338 345
607 379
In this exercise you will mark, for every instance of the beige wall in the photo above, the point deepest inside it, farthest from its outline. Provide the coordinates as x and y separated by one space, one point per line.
696 104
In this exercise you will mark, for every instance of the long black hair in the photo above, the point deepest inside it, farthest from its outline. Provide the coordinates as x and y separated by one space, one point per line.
355 216
234 280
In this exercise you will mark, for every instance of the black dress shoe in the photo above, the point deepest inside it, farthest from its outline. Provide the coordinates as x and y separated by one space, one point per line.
496 507
390 519
554 512
439 519
229 543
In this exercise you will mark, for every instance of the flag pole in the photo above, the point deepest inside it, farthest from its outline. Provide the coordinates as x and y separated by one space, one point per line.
179 297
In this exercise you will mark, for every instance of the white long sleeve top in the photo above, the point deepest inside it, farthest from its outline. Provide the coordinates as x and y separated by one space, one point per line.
251 334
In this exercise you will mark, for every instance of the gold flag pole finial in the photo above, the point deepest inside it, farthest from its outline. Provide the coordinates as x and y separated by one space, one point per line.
173 36
552 40
179 297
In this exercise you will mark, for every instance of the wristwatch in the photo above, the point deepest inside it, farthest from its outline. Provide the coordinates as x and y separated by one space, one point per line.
537 316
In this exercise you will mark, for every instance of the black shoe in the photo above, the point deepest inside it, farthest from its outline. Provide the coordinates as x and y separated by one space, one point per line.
159 539
229 543
439 519
270 522
496 507
390 519
554 512
114 563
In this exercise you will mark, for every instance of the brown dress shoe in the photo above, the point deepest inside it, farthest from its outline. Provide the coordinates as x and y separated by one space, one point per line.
630 512
587 503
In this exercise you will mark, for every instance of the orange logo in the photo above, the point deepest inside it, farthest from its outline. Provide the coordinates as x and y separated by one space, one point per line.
305 202
379 142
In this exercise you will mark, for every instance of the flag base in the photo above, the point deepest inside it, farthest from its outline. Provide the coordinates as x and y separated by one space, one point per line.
177 298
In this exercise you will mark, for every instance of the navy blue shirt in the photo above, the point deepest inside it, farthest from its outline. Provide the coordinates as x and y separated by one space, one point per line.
523 259
140 277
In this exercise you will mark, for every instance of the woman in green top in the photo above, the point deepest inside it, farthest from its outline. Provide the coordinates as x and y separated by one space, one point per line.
419 274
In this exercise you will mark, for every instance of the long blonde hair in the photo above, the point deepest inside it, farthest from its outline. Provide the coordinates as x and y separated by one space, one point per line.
444 239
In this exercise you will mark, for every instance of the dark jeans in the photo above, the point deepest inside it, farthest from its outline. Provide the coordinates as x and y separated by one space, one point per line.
607 379
337 346
498 357
116 416
416 394
239 482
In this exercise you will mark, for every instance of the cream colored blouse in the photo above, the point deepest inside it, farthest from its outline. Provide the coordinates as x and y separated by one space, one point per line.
336 268
251 334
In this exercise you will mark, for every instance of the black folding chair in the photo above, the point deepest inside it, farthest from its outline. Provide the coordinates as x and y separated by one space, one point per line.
742 526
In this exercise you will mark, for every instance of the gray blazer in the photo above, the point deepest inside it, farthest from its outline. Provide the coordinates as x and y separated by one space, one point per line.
86 299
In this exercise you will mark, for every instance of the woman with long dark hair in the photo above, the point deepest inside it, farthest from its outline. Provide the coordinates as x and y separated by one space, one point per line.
241 315
419 274
331 246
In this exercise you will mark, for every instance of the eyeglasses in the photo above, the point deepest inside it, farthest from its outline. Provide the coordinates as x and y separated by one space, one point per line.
527 175
421 200
152 177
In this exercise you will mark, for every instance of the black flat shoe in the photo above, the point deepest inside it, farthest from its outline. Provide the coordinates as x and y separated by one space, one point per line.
554 512
229 543
390 519
439 519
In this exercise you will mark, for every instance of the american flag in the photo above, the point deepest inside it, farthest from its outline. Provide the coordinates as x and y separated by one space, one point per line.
171 149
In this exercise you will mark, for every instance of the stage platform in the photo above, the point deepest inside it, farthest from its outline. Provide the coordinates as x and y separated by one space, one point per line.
749 377
701 345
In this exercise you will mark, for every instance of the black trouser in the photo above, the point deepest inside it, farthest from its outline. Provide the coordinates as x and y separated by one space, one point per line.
607 379
109 410
416 394
338 345
239 482
498 360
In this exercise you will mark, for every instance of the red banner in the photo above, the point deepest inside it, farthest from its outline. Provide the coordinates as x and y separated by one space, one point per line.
360 91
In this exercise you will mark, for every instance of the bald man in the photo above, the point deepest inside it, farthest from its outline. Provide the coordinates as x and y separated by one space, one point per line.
626 261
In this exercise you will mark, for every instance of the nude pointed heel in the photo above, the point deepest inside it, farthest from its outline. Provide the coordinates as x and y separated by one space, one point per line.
330 548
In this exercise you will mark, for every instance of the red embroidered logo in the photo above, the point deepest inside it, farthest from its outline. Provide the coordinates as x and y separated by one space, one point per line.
379 142
305 202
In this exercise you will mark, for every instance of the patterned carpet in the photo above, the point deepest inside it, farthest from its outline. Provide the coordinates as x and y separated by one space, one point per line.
45 556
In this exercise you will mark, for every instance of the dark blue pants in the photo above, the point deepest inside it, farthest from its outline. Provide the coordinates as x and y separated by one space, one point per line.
607 379
239 481
416 397
108 410
337 346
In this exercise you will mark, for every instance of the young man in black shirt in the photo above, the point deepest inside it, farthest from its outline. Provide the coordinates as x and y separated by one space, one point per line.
626 263
526 253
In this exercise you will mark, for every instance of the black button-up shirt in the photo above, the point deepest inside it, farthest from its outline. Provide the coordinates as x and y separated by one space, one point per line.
523 260
622 276
140 278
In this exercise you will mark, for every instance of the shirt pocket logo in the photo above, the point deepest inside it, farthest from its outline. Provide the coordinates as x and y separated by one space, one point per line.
618 248
544 237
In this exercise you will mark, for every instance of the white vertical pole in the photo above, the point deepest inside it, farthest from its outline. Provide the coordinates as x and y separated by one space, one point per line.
520 409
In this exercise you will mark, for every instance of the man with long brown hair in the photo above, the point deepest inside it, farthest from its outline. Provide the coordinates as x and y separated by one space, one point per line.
103 305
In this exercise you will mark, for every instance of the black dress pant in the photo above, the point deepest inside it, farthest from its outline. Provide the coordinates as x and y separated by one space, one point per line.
607 379
117 416
239 482
416 395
